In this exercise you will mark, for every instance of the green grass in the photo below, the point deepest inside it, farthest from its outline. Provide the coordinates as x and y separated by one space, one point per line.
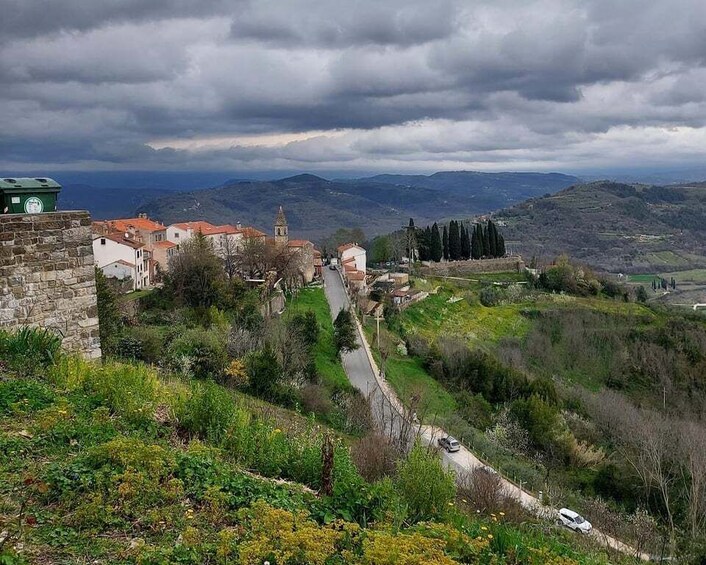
407 376
95 471
473 323
696 276
642 278
328 364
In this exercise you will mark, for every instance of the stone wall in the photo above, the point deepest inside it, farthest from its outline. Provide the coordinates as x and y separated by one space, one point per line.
477 266
47 277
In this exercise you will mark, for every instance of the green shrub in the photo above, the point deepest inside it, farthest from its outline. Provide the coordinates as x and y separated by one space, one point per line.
424 484
264 373
130 391
24 395
204 352
208 412
28 351
489 296
475 409
539 418
143 343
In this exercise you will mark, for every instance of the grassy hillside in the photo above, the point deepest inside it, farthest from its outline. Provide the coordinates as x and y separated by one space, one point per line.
118 463
328 364
546 386
616 227
317 207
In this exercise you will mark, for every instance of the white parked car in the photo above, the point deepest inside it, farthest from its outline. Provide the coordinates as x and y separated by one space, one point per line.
574 521
449 444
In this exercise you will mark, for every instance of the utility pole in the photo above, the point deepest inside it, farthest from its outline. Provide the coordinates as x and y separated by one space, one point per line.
377 319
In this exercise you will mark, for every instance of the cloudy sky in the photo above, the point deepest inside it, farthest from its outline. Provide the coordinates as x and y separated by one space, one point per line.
323 85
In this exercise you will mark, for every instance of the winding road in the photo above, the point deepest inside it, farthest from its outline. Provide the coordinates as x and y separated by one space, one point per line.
388 412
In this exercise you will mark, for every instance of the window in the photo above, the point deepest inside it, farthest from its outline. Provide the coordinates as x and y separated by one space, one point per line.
102 241
176 234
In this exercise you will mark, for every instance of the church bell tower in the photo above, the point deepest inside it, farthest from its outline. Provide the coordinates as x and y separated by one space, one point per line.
281 230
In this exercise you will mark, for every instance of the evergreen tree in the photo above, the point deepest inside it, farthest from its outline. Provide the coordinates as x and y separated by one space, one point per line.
344 332
412 250
445 242
492 239
437 249
486 241
454 241
465 243
477 242
501 246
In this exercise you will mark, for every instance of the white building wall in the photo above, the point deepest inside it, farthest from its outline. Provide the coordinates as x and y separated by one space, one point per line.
177 235
107 251
118 270
358 253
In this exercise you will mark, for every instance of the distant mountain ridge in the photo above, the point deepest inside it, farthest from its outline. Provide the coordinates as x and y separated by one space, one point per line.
316 206
613 226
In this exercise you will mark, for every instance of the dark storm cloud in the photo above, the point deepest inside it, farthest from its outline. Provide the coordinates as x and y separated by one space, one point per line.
451 82
327 24
32 18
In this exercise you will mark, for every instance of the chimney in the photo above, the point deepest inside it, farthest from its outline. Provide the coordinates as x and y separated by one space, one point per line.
142 215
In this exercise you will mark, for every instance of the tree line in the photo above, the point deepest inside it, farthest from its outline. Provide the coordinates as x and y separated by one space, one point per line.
456 242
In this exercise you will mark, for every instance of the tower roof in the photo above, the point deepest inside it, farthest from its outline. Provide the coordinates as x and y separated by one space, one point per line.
281 220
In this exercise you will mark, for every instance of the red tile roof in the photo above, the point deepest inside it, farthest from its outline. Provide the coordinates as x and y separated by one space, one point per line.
118 238
249 232
123 262
195 226
298 242
143 224
346 246
165 244
356 276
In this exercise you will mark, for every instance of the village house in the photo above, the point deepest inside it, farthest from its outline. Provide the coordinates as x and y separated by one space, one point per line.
142 230
122 257
352 259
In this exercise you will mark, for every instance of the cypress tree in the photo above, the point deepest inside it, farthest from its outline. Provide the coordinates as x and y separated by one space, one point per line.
445 243
476 242
492 239
454 241
465 243
501 246
486 241
437 249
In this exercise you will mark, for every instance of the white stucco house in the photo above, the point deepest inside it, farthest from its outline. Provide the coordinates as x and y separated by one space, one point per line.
354 255
116 252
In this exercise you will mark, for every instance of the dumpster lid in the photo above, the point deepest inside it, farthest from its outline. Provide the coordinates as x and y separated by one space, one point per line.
39 182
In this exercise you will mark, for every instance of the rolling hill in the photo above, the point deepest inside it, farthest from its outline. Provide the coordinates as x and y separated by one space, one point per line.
613 226
316 206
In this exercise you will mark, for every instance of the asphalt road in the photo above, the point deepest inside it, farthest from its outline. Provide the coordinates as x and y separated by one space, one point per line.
387 411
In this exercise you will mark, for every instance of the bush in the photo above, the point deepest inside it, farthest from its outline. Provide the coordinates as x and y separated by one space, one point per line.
475 409
202 351
489 296
482 489
130 391
424 484
208 412
375 456
143 344
264 373
538 418
29 350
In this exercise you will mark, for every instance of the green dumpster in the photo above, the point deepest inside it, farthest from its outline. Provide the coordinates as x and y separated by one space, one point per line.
28 195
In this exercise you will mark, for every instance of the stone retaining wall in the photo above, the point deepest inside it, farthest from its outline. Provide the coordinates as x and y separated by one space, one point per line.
47 277
477 266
